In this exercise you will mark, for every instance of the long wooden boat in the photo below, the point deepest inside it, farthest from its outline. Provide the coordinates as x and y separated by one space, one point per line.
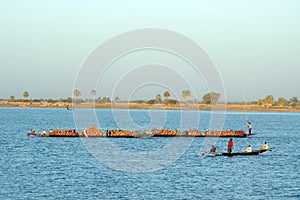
95 132
254 152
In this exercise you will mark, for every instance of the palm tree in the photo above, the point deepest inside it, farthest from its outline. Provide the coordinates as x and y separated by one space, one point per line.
117 99
77 93
93 92
12 98
167 95
186 94
26 95
158 98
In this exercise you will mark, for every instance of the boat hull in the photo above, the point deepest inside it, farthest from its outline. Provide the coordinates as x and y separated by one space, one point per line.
255 152
95 132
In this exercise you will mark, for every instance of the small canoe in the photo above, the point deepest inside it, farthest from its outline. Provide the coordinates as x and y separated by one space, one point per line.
254 152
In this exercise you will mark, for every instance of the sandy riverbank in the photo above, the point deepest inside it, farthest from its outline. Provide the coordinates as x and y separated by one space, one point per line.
237 107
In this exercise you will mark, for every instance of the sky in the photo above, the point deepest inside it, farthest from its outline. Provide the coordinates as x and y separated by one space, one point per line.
254 45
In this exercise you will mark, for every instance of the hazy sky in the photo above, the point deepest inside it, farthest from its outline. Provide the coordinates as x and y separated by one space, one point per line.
255 44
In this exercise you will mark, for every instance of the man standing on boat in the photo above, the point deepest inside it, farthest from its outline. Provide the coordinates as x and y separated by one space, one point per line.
249 127
230 145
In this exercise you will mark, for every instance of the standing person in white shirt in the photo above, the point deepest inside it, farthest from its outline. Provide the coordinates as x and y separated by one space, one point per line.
249 127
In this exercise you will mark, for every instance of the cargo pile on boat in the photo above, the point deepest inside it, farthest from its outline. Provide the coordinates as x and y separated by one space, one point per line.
173 133
95 132
165 133
193 133
239 133
121 133
62 133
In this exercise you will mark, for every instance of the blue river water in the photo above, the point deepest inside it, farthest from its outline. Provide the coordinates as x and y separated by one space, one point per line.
63 168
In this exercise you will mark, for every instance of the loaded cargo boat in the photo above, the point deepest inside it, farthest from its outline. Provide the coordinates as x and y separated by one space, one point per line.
95 132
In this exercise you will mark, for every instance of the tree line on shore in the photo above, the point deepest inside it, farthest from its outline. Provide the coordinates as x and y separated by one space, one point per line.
208 98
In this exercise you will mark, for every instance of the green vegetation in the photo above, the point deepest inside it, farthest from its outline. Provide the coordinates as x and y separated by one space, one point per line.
186 94
93 92
151 101
36 100
264 104
167 95
267 102
138 101
117 99
67 100
51 101
293 101
211 98
103 100
282 101
158 98
12 98
76 93
172 101
26 95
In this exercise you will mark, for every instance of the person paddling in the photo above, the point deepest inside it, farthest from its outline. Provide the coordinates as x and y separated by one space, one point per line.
230 145
213 149
265 146
249 149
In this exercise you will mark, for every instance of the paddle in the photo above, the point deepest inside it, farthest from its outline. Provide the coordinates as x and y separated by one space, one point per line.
270 149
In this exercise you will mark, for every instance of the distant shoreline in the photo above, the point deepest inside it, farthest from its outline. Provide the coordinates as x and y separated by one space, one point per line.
144 106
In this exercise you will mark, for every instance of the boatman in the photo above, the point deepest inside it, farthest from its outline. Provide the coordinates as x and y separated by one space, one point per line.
43 133
249 127
249 149
213 149
230 145
265 146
